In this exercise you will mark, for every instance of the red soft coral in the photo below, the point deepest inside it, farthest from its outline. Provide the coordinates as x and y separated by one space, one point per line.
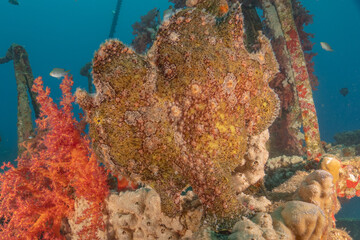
57 167
302 17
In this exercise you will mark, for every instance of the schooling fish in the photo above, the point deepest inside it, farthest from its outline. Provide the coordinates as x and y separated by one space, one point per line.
326 46
344 91
13 2
59 72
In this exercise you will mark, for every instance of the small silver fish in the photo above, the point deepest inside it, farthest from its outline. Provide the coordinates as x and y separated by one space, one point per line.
59 72
326 46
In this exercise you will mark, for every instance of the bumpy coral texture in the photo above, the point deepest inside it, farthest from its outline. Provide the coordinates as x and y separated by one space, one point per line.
259 227
318 188
183 113
137 215
251 168
310 214
300 220
58 166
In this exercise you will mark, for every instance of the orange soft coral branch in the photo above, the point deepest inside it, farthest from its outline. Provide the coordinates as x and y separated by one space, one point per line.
41 191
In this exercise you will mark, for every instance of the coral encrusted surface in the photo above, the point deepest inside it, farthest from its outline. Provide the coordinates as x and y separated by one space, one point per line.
183 113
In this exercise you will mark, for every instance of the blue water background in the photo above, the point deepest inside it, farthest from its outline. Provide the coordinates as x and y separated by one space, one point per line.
65 34
338 24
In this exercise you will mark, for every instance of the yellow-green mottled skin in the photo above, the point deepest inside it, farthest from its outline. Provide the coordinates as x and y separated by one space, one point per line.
183 113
